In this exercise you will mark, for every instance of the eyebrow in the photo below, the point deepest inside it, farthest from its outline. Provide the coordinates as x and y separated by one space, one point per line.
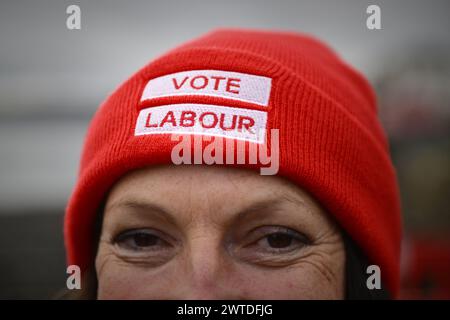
261 208
264 208
138 204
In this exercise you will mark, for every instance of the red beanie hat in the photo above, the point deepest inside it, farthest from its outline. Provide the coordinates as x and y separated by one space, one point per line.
330 140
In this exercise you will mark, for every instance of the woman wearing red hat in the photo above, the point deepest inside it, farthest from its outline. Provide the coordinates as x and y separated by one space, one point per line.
142 226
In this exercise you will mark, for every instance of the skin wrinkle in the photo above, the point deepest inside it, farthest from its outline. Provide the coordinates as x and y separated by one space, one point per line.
100 264
206 214
330 238
297 202
320 266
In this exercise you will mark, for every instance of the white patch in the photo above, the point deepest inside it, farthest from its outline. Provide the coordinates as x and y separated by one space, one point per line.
203 119
216 83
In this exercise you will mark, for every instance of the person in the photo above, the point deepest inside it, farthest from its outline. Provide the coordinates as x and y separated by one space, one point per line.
169 204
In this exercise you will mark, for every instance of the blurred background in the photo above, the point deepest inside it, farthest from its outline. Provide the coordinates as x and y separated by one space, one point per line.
52 80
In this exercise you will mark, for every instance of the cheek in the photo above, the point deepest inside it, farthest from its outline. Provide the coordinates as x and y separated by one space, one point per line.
302 281
119 280
317 276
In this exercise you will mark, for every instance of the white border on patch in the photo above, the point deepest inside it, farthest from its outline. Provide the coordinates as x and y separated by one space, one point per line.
151 121
224 84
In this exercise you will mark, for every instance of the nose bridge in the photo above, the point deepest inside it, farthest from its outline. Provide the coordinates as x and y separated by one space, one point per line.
207 266
205 257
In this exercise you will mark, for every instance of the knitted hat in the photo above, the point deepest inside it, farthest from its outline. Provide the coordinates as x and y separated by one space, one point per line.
330 140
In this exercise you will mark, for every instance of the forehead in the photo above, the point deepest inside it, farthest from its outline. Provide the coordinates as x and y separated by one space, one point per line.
196 181
216 192
211 198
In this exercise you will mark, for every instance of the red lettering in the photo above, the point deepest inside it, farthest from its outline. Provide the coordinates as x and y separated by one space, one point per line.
249 123
148 124
169 118
201 82
214 123
217 81
233 82
202 85
187 116
222 122
178 86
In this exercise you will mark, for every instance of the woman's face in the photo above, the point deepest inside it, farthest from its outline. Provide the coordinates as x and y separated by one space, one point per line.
209 232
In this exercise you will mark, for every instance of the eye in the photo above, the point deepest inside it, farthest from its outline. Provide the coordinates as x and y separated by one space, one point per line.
140 240
277 239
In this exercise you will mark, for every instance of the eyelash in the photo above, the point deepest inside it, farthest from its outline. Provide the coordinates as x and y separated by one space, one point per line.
121 239
295 235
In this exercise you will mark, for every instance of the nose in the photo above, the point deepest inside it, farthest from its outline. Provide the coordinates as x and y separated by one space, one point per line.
208 272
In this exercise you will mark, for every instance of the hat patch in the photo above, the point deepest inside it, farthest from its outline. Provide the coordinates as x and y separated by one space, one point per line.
207 119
